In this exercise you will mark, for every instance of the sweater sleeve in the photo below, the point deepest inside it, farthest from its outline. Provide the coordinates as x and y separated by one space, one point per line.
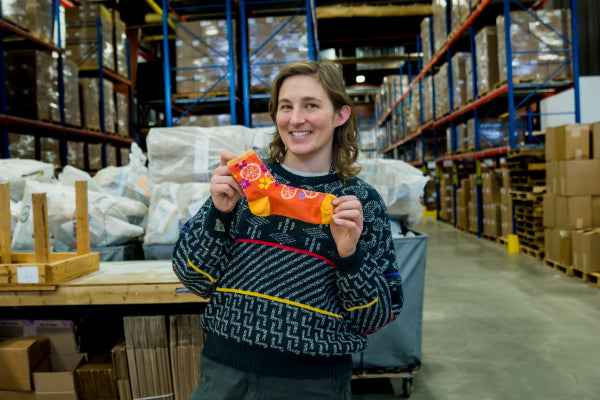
201 250
369 283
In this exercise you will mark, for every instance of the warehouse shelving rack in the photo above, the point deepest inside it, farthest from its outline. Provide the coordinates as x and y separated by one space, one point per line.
42 128
512 96
187 105
306 7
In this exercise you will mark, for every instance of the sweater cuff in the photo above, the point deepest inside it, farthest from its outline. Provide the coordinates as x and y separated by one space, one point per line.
352 263
218 221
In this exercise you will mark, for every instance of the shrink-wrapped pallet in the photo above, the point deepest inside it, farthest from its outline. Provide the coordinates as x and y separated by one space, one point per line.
440 32
71 93
426 40
122 107
82 36
32 85
459 77
273 41
486 47
202 57
539 43
442 99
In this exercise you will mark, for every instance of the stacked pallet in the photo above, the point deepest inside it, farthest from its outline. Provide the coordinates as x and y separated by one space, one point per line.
527 171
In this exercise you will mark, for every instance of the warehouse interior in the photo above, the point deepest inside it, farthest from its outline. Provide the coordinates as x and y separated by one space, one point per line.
478 127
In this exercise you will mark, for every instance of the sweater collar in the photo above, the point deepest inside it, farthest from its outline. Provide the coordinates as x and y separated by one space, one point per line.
277 169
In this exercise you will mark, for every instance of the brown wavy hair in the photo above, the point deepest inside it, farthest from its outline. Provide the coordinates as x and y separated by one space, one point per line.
345 137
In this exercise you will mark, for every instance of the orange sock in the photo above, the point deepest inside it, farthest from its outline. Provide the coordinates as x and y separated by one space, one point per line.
266 196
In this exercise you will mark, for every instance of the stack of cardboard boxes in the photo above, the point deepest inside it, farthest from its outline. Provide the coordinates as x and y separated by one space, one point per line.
572 202
38 359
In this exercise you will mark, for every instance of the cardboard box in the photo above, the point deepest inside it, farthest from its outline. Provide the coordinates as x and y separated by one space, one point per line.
16 395
578 177
549 210
55 378
60 332
491 183
562 245
549 247
552 177
568 142
18 358
586 249
596 141
577 212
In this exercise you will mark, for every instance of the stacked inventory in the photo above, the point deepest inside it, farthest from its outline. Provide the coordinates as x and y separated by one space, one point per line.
538 41
268 51
528 181
572 204
202 58
84 24
446 198
492 183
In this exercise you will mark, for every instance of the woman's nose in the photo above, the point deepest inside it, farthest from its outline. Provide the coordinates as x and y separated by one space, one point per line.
297 116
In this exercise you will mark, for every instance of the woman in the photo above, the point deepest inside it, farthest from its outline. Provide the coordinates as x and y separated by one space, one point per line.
291 301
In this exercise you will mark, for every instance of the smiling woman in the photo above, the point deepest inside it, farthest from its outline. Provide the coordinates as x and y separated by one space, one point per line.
295 253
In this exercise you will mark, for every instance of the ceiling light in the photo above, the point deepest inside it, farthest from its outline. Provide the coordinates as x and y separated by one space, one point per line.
360 78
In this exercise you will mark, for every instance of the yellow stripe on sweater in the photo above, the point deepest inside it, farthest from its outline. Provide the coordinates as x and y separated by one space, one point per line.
202 272
365 306
277 299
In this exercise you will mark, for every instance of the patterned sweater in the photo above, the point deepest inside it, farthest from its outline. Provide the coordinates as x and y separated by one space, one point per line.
282 301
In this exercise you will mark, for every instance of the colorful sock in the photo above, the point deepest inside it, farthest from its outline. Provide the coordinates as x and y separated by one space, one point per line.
266 196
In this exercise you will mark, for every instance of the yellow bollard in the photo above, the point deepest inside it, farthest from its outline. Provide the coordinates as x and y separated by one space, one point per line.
430 213
513 244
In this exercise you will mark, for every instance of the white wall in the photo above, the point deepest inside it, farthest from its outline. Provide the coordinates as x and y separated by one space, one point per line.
564 102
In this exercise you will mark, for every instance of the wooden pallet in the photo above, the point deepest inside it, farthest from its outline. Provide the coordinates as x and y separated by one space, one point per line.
502 241
42 269
558 266
533 253
589 277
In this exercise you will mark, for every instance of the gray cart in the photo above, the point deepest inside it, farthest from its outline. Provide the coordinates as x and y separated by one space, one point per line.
395 350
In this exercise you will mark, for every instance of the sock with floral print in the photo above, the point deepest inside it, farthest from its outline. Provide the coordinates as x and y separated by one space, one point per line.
266 196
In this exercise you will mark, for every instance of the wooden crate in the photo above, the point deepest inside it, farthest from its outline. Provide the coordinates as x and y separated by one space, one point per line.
42 270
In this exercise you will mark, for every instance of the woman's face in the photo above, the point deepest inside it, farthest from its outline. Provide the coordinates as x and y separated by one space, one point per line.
306 121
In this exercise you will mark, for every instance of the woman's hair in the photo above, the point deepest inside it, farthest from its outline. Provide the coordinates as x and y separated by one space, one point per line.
345 137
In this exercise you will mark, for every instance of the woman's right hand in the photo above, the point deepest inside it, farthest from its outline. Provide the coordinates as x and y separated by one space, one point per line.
224 189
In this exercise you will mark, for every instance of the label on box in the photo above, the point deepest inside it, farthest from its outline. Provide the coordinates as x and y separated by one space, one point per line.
28 274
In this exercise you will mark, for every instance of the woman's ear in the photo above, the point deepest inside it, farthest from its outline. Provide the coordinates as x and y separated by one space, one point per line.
342 115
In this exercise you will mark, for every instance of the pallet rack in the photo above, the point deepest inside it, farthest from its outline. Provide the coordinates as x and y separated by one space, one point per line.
185 105
46 129
510 96
306 7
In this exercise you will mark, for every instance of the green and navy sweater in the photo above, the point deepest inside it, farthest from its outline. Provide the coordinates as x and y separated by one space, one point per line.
282 301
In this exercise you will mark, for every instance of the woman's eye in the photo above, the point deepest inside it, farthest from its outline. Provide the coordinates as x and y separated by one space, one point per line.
311 105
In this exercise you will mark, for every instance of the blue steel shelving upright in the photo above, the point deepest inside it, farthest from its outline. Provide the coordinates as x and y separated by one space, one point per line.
308 8
517 95
171 6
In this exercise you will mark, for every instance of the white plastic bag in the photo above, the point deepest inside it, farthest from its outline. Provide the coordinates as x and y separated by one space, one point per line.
129 181
17 172
400 185
172 204
112 220
191 153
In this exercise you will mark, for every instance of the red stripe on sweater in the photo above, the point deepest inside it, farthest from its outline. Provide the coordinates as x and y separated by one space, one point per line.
287 248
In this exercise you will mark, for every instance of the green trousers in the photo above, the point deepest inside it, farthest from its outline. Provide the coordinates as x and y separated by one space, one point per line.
220 382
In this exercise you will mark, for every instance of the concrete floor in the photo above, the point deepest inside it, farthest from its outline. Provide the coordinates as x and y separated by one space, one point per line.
500 327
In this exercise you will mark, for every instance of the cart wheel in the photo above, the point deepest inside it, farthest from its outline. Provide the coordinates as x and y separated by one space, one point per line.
407 386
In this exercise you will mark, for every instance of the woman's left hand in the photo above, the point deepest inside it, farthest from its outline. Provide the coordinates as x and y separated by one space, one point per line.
347 224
